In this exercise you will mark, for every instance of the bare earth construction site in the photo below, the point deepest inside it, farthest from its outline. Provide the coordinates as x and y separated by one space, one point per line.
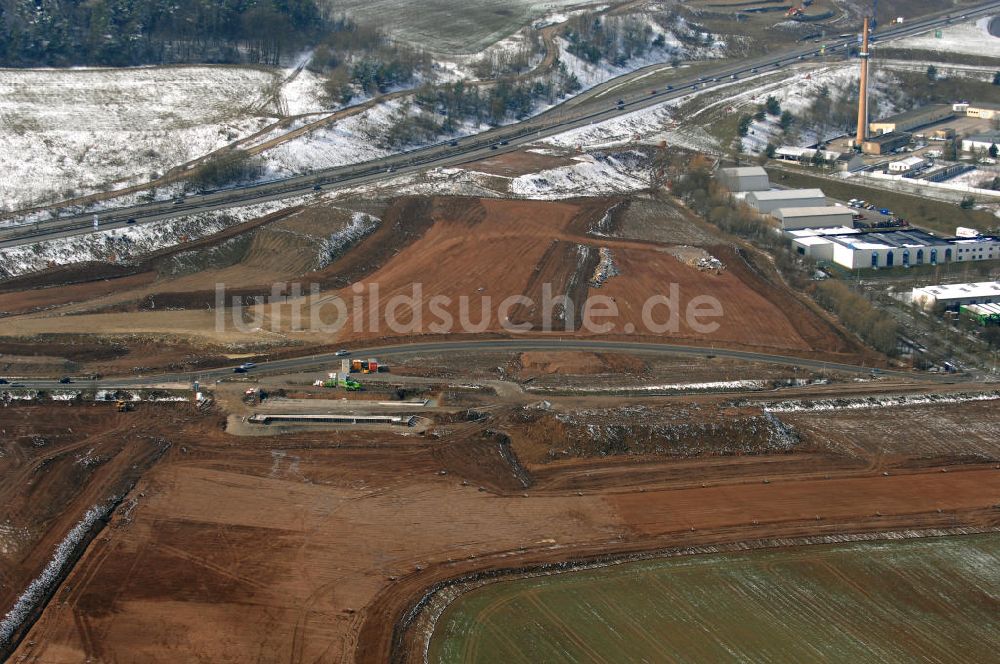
567 399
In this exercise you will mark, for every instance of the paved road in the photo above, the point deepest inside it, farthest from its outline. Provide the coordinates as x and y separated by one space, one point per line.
329 361
576 112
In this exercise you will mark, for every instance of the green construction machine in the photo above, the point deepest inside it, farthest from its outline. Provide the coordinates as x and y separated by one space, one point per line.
346 383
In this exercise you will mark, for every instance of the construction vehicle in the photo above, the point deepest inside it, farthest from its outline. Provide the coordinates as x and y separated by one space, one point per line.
334 381
123 406
794 12
370 365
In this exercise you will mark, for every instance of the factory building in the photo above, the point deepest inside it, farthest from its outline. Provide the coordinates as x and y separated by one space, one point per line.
977 110
955 295
910 120
746 178
767 202
908 165
890 249
981 142
885 143
798 218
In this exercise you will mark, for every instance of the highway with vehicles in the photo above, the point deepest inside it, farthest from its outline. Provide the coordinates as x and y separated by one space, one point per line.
387 353
592 106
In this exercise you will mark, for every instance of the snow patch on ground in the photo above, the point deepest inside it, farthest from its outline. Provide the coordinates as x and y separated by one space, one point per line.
967 38
125 244
716 386
592 175
360 226
38 588
349 141
866 403
304 94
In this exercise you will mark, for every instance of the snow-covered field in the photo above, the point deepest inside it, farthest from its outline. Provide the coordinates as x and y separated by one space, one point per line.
965 38
76 131
303 94
348 141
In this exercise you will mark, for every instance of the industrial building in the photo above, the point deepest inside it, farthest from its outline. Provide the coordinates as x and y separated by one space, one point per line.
908 165
977 110
842 161
746 178
767 202
910 120
955 295
798 218
984 314
792 153
885 143
898 248
981 142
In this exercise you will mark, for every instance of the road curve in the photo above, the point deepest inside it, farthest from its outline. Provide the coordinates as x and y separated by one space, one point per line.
326 361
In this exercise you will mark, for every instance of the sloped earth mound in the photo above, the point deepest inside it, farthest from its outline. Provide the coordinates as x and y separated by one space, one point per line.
682 431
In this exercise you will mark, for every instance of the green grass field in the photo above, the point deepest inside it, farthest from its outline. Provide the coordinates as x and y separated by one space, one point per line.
931 600
448 27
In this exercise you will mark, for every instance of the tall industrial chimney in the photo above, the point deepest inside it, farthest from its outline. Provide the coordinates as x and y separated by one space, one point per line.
863 97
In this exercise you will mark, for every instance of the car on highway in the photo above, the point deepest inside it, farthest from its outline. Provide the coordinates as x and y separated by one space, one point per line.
886 211
17 384
505 142
342 352
3 381
317 187
670 87
753 71
494 147
247 365
453 144
239 370
130 220
65 380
